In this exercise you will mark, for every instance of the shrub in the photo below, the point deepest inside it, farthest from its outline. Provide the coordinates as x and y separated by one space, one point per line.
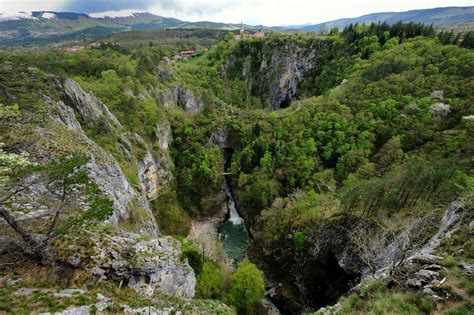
246 286
211 282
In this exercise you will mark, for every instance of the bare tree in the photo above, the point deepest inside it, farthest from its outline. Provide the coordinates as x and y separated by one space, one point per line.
20 181
388 251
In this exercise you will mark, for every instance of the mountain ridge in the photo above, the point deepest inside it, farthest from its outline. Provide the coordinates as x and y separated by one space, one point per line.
426 16
51 26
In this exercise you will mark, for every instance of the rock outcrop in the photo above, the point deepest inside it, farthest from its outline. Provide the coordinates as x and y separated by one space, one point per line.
155 170
105 172
273 72
181 97
90 108
312 276
145 264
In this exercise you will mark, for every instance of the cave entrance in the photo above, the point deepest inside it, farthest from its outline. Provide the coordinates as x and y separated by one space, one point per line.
318 283
330 282
285 103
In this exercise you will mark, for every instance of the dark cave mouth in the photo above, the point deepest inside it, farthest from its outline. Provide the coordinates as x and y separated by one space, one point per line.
321 283
332 282
285 103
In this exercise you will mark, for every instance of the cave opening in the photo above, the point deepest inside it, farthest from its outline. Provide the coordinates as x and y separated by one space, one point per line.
317 283
330 282
285 103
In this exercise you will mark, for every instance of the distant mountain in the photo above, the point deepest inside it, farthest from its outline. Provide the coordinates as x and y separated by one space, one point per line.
449 17
50 26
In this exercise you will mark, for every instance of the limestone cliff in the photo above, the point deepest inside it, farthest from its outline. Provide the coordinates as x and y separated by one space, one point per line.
181 97
273 72
141 257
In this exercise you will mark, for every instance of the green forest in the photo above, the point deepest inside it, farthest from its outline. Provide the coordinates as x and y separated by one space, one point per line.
374 134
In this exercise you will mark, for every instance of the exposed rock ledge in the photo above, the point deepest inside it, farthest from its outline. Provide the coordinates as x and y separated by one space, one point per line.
145 264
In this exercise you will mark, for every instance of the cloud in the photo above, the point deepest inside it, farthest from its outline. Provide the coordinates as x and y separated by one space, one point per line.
7 6
268 12
90 6
279 12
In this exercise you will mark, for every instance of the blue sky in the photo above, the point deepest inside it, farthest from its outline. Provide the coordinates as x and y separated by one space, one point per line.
268 12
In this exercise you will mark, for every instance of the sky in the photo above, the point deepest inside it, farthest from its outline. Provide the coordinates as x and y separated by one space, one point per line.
266 12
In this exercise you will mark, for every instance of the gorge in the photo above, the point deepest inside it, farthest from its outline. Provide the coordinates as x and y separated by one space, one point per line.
316 172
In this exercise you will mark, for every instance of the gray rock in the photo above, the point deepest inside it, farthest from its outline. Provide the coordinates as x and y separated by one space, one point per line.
426 259
155 175
440 109
438 94
426 276
106 173
146 264
414 283
467 269
149 311
330 310
88 105
24 292
13 282
68 293
164 135
432 267
182 97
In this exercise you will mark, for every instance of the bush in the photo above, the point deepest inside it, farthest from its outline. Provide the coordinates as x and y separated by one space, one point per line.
246 286
171 217
211 282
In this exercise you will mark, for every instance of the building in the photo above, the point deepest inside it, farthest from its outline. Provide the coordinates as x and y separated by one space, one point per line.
72 48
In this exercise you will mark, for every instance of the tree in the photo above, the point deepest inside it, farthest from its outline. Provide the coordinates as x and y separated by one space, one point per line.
381 248
211 282
61 178
246 286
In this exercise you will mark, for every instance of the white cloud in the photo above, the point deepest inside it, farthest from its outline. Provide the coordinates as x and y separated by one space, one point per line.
278 12
9 6
268 12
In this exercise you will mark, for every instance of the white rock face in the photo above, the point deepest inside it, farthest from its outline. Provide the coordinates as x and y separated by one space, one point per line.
88 105
154 176
182 97
146 264
103 169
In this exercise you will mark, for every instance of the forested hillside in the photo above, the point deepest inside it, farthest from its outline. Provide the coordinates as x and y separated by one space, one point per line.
349 157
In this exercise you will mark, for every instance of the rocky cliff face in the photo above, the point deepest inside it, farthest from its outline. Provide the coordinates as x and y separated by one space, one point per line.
313 275
104 170
328 265
88 105
145 264
181 97
274 71
132 250
154 172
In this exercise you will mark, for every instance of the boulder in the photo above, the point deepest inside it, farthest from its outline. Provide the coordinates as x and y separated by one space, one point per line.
426 275
425 259
146 264
467 269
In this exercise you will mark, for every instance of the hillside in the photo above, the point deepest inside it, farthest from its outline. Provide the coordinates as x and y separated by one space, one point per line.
43 27
450 17
48 27
286 173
